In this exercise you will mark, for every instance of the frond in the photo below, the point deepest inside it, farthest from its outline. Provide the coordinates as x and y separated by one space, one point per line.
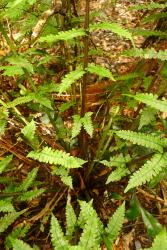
64 175
12 70
5 162
63 35
147 116
160 241
149 6
69 79
21 100
30 195
29 130
20 245
8 219
21 62
147 53
117 161
19 232
142 139
152 101
71 220
77 125
150 169
28 182
87 123
57 237
99 70
6 206
117 174
114 27
114 226
57 157
148 33
46 102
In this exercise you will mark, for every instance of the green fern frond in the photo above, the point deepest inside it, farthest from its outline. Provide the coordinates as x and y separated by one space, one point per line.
19 232
12 70
21 62
5 162
71 220
114 27
28 182
114 226
77 125
29 130
149 6
20 245
99 70
30 195
6 206
48 155
151 100
64 175
87 123
147 53
65 106
21 100
8 219
148 33
147 116
46 102
160 241
117 174
69 79
117 161
150 169
3 120
90 238
57 237
63 35
142 139
154 17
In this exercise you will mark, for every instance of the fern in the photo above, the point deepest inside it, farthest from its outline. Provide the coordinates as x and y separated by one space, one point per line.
114 226
77 125
151 100
21 62
142 139
71 220
87 123
147 117
5 162
12 70
69 79
21 100
29 130
19 232
57 237
28 182
114 27
3 120
150 169
30 195
64 175
8 219
117 174
99 70
148 33
149 6
20 245
160 241
6 206
63 35
48 155
147 53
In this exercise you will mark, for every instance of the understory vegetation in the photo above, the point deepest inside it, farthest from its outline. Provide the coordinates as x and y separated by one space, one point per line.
83 150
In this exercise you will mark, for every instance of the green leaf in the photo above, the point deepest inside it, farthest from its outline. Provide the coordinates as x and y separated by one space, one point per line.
29 130
28 182
151 223
12 70
5 162
87 123
77 124
150 169
20 245
6 206
114 226
147 53
8 219
160 241
69 79
63 35
21 62
147 116
71 220
64 175
57 237
57 157
99 70
142 139
117 174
